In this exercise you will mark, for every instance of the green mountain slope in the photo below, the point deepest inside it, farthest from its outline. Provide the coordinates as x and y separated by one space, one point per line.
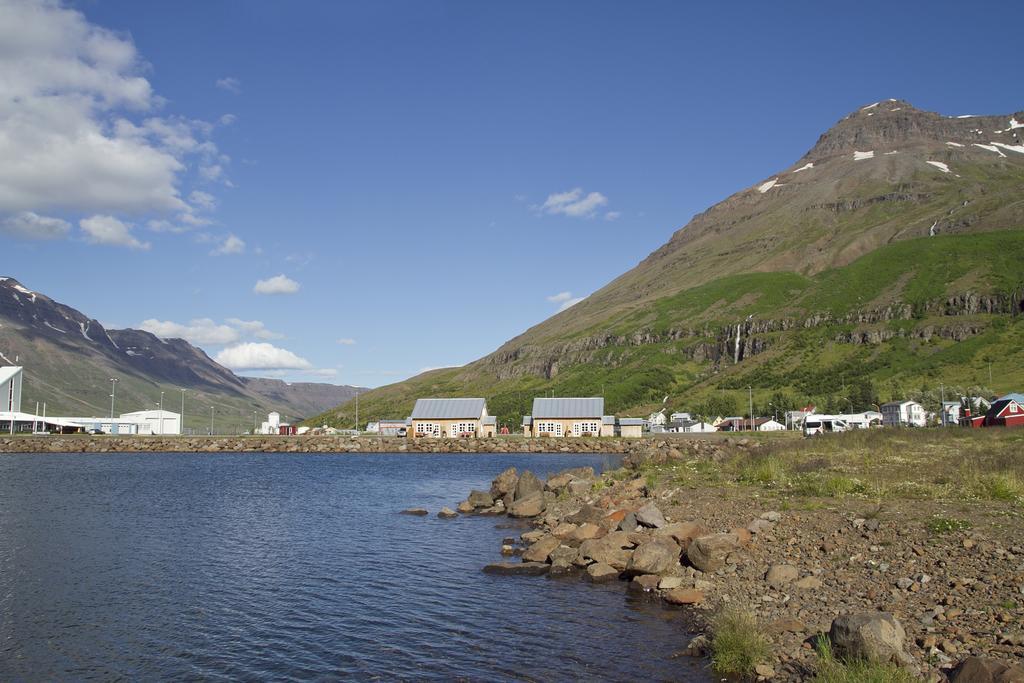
887 262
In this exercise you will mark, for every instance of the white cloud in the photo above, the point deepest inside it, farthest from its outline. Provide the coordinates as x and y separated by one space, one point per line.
198 331
29 225
261 356
76 126
231 245
212 172
203 200
279 284
110 231
204 331
612 215
227 119
573 203
565 300
347 341
229 83
253 328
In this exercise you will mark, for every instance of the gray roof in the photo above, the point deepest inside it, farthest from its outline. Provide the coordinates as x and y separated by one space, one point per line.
631 421
489 420
567 407
608 420
527 420
448 408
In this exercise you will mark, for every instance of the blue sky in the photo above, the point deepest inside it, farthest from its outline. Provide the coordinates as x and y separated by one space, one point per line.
418 181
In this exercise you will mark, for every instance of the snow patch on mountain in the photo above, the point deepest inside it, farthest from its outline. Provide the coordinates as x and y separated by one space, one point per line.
939 165
859 156
764 187
804 167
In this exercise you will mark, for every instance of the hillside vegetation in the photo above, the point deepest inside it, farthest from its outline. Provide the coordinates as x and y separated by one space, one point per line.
853 281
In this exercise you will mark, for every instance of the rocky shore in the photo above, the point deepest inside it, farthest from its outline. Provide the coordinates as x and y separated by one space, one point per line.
870 585
76 443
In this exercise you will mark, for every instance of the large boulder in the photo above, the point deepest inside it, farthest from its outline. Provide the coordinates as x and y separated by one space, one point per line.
987 670
600 572
876 636
708 553
447 513
580 487
613 549
539 551
587 531
527 485
781 574
650 516
656 556
480 499
466 507
558 482
683 596
529 506
505 483
682 532
587 513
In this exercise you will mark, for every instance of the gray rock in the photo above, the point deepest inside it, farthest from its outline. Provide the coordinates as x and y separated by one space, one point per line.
904 583
466 507
657 556
447 513
480 499
418 512
781 574
563 554
760 526
600 573
650 516
613 549
871 635
527 485
512 568
587 513
539 551
580 487
505 483
530 506
628 522
987 670
771 516
708 553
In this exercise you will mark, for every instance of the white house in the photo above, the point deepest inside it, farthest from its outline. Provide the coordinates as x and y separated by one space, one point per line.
158 422
680 417
451 417
568 417
690 427
768 425
657 419
903 414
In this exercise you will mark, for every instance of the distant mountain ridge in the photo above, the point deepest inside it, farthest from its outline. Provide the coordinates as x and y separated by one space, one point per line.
892 250
70 358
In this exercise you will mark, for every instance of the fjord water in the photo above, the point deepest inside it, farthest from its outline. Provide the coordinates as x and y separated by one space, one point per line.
295 567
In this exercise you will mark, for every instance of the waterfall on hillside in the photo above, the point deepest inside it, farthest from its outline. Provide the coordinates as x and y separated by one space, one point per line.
736 352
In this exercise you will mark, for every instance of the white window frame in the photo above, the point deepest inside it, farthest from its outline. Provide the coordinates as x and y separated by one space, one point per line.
590 427
460 428
554 428
431 429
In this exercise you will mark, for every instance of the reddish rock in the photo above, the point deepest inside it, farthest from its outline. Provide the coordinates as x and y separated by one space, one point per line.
683 596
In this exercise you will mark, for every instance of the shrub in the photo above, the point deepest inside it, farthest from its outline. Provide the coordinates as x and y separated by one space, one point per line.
737 642
767 471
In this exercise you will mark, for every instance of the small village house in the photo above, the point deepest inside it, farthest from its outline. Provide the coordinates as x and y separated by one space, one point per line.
903 414
690 427
450 417
568 417
767 424
394 427
1006 411
631 427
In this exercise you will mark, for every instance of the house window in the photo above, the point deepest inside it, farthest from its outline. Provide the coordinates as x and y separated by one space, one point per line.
428 429
553 428
461 428
586 428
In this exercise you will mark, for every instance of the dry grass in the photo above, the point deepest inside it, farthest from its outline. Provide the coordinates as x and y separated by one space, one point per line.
738 643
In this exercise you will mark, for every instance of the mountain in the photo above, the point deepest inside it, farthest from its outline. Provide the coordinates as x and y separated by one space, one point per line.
69 360
887 261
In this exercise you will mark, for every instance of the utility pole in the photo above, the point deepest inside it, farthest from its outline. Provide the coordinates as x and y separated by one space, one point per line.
181 421
942 403
357 412
254 422
113 384
751 392
211 420
161 413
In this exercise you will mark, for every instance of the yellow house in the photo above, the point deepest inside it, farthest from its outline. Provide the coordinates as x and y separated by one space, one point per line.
631 427
451 418
560 417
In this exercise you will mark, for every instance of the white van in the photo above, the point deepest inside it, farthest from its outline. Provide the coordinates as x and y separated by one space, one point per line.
823 424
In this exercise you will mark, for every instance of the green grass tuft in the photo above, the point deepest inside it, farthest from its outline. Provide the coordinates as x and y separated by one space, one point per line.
945 525
831 670
737 643
1001 486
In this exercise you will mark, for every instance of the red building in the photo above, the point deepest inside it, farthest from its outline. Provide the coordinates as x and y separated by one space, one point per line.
1006 412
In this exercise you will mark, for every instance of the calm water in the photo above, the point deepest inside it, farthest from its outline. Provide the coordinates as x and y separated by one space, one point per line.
227 567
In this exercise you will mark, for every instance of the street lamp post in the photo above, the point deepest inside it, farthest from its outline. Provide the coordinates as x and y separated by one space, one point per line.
113 384
161 418
181 420
254 422
751 392
211 420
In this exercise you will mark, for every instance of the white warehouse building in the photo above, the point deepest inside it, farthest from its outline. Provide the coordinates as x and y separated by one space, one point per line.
10 388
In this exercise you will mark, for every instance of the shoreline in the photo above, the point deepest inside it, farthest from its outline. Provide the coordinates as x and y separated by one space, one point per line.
336 444
947 601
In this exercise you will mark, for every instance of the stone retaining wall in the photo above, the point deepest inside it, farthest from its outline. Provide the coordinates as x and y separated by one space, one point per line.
325 444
